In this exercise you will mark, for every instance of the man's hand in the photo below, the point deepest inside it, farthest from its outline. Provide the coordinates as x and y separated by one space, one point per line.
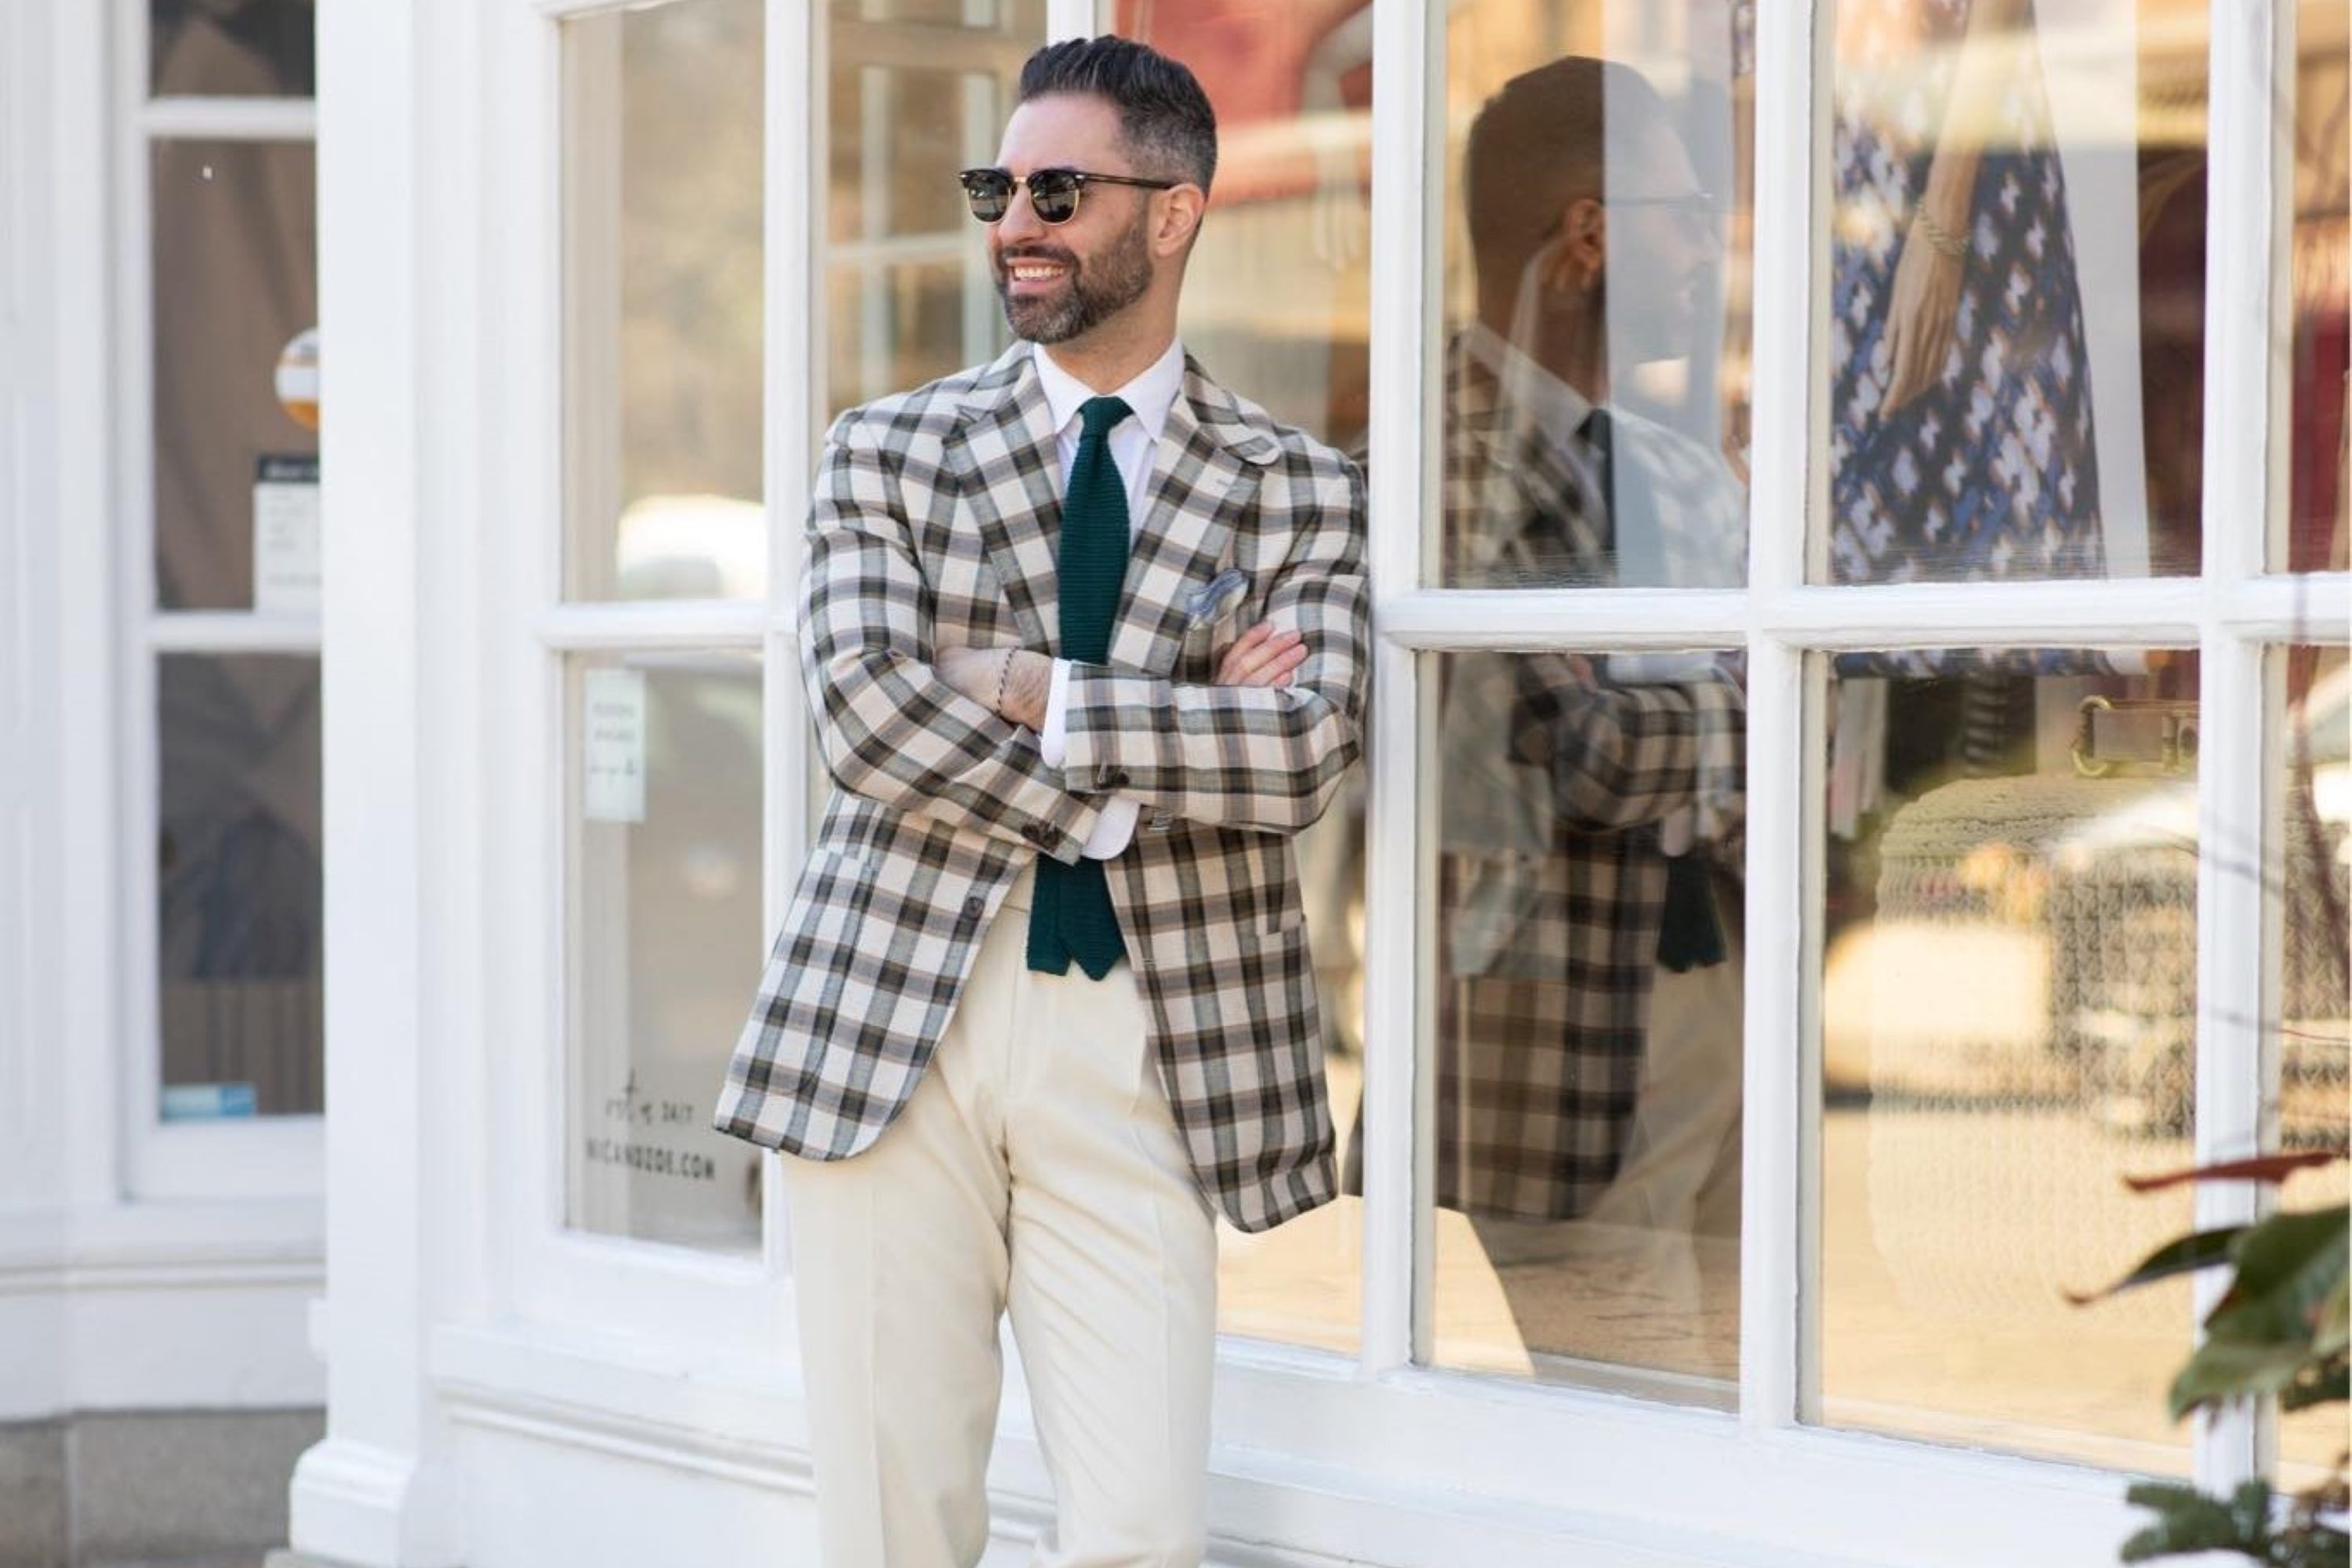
1262 656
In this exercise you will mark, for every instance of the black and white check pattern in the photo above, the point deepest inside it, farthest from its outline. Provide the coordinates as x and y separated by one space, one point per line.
934 526
1558 782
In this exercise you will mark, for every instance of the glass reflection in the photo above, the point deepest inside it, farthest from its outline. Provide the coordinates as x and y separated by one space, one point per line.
1596 278
2307 1019
2017 294
663 346
2007 1011
1275 305
1588 1062
2319 526
238 885
907 293
664 940
232 48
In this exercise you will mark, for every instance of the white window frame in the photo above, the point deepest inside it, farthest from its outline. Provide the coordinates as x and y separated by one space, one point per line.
1375 1456
271 1156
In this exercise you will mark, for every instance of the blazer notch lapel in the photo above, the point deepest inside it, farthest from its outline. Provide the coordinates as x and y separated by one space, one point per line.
1002 464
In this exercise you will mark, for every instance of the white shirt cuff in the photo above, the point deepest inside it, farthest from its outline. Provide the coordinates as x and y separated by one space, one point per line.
1114 830
1053 740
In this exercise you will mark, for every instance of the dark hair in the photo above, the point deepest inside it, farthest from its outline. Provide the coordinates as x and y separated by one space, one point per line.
1542 142
1163 116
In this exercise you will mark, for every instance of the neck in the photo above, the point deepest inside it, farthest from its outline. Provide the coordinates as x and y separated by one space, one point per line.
1573 344
1114 353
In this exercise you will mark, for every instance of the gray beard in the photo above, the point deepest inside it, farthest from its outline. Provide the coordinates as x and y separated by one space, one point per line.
1098 291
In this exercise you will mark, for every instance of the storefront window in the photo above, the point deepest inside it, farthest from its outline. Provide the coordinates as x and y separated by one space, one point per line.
1596 278
2017 231
234 281
2306 1020
916 92
662 873
2008 1016
2318 276
665 308
232 48
238 859
1588 977
1276 306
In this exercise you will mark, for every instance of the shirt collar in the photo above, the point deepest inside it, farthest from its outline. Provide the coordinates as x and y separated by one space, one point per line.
1151 395
1536 392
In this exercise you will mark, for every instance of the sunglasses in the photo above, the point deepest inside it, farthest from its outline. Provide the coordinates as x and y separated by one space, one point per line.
1053 193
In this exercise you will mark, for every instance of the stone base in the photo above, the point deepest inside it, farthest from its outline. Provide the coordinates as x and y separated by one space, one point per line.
178 1488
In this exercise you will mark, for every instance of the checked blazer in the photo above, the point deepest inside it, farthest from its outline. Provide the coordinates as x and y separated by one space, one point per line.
1564 778
934 526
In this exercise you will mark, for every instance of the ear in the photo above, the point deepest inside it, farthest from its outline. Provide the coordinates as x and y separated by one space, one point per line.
1580 253
1180 208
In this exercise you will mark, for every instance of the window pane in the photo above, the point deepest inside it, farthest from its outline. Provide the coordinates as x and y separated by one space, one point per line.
2320 277
1587 1066
665 309
663 873
236 273
221 49
2308 1058
907 293
1276 306
1596 282
237 885
2017 251
2008 1012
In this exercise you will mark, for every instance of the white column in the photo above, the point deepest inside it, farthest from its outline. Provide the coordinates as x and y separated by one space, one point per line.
376 1490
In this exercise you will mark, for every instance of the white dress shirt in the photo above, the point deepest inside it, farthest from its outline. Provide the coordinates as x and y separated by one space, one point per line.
1132 443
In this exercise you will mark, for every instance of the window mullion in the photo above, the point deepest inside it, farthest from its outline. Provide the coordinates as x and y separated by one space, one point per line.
1407 63
2243 130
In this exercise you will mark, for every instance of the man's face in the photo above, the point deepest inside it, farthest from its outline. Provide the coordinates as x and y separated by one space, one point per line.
1661 256
1061 280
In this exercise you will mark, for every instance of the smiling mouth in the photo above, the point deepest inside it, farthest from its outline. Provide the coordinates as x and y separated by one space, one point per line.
1020 271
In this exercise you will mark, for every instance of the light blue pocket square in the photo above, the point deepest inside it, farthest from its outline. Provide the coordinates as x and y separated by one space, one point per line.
1213 598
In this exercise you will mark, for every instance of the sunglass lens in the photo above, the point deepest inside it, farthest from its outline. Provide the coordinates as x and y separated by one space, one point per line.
1054 194
988 193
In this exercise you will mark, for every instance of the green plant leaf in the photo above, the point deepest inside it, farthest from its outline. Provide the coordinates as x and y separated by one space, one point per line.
2327 1381
2260 1168
2227 1369
2287 1265
2200 1250
2190 1521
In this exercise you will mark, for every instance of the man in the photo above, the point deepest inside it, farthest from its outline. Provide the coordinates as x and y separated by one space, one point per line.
1590 1064
1043 1002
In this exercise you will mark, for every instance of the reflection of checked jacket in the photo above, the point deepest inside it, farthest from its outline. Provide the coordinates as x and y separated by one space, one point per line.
934 526
1564 789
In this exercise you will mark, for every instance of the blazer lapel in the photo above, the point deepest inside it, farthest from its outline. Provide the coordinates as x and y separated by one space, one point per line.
1204 472
1004 463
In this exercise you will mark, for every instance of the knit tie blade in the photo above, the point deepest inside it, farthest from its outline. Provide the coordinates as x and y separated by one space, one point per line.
1071 914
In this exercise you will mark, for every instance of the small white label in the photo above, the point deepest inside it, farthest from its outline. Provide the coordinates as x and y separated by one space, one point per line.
613 720
286 535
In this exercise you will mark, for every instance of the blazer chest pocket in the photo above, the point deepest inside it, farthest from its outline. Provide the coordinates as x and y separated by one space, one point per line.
1213 617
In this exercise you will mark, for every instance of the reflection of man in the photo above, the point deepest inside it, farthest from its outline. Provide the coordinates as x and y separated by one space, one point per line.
987 1128
1590 1067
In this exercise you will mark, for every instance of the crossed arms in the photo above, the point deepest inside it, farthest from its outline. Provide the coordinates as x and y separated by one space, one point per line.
923 729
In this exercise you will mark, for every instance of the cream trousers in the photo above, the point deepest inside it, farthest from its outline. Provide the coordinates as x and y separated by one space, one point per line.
1036 1171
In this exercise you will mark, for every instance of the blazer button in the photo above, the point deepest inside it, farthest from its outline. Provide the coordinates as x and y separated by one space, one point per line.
1115 779
1036 834
974 907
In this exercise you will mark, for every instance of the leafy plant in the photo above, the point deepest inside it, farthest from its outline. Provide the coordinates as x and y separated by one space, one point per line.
2280 1329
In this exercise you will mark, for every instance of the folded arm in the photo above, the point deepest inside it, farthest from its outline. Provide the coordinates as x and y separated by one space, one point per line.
1264 757
1623 756
891 728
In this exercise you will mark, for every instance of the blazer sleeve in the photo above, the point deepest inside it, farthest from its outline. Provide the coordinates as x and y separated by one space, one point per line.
1267 758
890 728
1624 756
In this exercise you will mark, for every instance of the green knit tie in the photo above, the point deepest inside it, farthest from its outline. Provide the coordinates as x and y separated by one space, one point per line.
1071 916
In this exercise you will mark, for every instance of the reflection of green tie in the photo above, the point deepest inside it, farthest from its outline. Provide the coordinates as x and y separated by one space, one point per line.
1071 916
